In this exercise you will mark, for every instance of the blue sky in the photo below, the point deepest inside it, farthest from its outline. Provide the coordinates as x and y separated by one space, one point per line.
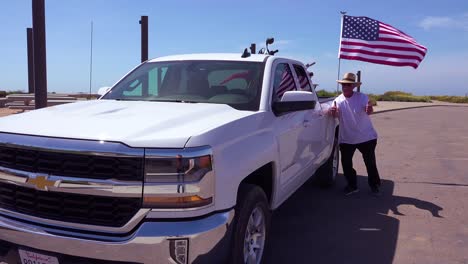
305 30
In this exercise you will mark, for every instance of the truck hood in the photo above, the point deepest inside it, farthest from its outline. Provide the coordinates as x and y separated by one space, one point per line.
134 123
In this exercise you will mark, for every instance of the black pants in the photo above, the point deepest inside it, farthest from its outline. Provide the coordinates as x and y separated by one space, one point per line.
367 150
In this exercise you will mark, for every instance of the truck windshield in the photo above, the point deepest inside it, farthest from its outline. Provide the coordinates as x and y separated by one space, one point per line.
237 84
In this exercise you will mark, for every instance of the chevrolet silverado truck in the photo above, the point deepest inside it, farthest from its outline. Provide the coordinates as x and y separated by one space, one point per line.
181 161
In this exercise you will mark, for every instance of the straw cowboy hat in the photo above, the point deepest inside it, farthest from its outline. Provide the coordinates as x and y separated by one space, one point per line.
349 77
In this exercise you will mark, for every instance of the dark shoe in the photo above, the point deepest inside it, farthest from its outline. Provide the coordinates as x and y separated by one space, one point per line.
375 191
348 190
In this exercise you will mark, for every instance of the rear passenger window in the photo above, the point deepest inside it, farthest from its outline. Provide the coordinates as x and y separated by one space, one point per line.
303 78
283 81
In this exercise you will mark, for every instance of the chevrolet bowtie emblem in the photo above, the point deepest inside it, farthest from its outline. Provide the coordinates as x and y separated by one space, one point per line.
41 182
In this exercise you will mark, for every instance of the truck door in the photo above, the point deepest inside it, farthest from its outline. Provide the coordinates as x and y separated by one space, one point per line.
315 125
289 129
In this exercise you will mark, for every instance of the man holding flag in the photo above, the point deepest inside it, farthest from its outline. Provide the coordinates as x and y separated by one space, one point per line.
356 132
369 40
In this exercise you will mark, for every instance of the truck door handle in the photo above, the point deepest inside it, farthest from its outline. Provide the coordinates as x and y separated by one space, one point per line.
306 122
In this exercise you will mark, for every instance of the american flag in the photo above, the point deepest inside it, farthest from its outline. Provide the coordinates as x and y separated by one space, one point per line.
286 84
369 40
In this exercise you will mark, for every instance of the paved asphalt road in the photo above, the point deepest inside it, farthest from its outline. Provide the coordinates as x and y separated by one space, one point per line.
421 217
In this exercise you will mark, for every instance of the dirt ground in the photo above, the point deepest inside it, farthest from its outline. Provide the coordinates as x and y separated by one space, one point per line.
7 111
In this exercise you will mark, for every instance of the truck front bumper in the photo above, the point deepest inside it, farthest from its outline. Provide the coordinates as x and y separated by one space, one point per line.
207 240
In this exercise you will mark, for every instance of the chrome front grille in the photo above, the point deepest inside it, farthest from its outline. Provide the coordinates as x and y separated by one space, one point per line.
72 165
67 207
96 183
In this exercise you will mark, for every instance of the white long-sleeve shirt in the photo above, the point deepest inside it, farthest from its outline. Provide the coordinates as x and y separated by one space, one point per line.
355 124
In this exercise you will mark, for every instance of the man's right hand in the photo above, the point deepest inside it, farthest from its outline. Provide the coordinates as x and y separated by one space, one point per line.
333 111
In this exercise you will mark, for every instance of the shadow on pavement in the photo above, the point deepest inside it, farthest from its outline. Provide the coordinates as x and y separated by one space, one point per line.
325 226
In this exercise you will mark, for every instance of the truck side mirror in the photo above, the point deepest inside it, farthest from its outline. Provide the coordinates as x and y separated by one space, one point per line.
293 101
103 90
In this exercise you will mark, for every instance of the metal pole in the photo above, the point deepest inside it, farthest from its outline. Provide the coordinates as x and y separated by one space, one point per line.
144 38
343 13
337 84
29 33
91 62
39 41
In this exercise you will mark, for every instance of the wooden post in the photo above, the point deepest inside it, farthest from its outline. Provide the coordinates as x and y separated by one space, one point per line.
144 50
39 43
358 80
29 33
144 38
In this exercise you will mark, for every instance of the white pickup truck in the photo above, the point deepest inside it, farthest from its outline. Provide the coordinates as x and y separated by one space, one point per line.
181 161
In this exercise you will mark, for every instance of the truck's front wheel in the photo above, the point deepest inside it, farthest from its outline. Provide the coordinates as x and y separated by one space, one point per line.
251 226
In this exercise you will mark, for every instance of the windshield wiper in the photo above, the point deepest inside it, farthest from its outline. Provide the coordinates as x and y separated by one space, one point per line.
156 100
124 99
172 101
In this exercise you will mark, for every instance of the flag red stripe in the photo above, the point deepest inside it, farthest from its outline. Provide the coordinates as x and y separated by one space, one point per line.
388 33
383 47
400 41
382 54
391 63
400 38
398 52
286 84
396 32
387 26
373 57
387 45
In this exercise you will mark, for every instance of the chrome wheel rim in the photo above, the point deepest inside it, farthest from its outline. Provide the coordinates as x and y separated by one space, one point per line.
254 241
335 159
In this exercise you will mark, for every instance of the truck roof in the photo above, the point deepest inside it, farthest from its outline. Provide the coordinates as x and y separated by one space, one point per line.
213 56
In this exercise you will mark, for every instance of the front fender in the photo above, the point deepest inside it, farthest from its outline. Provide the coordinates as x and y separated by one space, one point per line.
239 148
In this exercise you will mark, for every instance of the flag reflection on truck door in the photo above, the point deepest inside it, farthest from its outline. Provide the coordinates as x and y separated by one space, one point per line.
289 128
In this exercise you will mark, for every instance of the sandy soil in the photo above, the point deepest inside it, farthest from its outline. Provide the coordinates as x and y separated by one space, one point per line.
7 111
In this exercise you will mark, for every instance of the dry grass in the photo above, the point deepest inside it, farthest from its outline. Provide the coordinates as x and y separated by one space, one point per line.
7 111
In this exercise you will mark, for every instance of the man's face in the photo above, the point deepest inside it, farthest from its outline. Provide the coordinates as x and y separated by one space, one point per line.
347 89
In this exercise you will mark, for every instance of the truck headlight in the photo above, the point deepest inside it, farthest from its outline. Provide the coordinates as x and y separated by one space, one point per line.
178 169
176 178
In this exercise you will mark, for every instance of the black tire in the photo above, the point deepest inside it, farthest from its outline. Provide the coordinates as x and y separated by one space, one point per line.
250 198
326 174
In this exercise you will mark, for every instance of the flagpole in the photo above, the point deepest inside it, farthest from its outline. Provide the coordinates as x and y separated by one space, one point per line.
91 62
343 13
337 84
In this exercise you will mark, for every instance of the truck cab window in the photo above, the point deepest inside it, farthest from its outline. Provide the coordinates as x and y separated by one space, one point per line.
283 81
303 78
